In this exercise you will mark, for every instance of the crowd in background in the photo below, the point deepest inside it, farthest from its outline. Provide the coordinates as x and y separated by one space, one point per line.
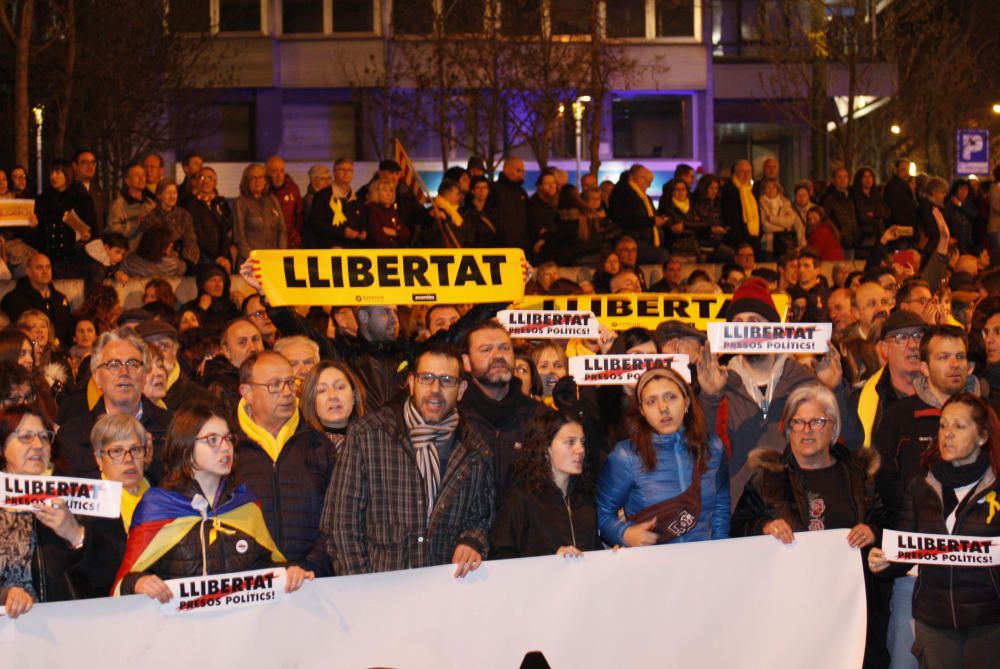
362 439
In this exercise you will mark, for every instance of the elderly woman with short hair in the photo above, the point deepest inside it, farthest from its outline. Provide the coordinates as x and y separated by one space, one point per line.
259 223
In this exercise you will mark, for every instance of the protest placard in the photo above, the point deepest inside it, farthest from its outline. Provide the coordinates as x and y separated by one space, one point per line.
226 591
937 549
85 497
617 370
16 213
526 324
770 337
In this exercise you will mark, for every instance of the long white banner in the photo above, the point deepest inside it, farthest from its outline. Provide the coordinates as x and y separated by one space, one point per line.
708 604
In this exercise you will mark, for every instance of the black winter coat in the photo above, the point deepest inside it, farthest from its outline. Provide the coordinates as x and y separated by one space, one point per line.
840 208
93 567
512 201
55 306
909 428
222 380
213 226
503 425
291 493
380 366
319 232
776 490
902 205
538 522
184 560
629 213
955 598
76 455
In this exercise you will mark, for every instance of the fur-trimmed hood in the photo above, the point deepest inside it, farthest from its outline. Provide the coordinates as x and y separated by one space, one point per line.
769 460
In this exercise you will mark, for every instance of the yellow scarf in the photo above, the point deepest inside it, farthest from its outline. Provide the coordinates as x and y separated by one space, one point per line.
450 209
172 377
868 405
337 206
683 206
271 445
749 204
649 210
93 393
130 501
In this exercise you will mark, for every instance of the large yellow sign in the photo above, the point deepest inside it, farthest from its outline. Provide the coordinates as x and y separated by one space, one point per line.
645 310
402 276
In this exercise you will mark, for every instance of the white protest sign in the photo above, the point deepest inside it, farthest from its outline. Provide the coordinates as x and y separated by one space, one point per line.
939 549
769 337
538 324
225 591
619 370
16 213
84 497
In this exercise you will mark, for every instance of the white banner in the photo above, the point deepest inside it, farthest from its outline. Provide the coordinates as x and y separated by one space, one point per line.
941 549
738 603
618 370
225 591
536 324
770 337
84 497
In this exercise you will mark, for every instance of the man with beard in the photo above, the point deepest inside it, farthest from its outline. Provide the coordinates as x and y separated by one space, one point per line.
493 402
899 346
413 483
872 304
380 359
909 429
749 397
283 460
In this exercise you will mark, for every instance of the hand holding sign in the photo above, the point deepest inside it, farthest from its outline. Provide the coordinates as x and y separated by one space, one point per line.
155 588
296 577
57 517
830 370
250 271
712 376
877 561
18 602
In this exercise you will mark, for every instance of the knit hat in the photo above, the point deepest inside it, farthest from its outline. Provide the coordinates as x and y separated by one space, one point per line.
753 296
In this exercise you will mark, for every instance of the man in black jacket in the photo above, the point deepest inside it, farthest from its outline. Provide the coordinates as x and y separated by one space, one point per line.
839 207
283 461
380 359
36 291
493 402
743 227
240 339
632 211
899 198
118 364
337 216
508 195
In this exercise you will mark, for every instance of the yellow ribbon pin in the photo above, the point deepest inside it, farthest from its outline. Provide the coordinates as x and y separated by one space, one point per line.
217 527
991 499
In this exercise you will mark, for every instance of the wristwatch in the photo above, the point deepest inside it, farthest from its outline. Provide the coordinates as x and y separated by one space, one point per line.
78 544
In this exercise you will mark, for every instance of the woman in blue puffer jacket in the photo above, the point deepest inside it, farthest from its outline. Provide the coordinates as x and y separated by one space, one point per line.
670 477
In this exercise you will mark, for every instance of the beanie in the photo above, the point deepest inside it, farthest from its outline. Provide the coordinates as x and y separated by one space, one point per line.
753 296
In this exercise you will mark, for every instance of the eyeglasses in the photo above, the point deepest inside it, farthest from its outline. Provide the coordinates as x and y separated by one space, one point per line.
277 385
117 453
27 436
215 440
903 337
815 424
115 366
446 380
19 399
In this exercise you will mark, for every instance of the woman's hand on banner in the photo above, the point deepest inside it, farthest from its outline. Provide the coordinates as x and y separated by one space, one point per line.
466 559
296 576
59 519
18 602
780 530
876 560
569 551
153 587
860 536
250 271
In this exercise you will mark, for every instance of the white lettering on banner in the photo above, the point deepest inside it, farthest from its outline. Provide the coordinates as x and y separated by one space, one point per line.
940 549
660 606
225 591
84 497
770 337
618 370
538 324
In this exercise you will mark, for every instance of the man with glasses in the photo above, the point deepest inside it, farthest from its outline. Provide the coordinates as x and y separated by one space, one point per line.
118 365
84 174
254 310
917 297
282 460
899 346
337 217
413 485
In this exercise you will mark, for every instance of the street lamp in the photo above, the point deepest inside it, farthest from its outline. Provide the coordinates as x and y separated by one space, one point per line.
578 108
895 129
39 111
996 108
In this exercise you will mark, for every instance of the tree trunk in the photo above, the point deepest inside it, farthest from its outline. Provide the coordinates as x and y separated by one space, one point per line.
22 102
66 104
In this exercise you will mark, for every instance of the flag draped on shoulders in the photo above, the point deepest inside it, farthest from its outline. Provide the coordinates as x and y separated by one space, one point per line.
164 517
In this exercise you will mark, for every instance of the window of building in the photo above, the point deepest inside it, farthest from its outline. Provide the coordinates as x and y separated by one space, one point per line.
189 16
521 17
239 15
463 17
413 17
654 126
570 17
674 18
301 16
229 133
625 18
319 132
353 16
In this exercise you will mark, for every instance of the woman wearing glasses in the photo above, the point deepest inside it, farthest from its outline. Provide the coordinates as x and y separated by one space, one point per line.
33 544
225 528
121 450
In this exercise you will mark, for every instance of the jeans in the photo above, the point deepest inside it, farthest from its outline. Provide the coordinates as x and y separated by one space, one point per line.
900 637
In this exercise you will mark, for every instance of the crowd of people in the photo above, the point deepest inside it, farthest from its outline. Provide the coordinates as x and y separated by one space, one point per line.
350 440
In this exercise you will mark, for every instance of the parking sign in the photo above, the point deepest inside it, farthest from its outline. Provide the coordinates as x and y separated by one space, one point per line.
973 152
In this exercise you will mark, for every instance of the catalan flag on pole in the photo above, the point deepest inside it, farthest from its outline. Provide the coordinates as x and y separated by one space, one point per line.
409 175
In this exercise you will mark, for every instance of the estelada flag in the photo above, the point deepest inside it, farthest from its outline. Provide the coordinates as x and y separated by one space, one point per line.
409 175
164 517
